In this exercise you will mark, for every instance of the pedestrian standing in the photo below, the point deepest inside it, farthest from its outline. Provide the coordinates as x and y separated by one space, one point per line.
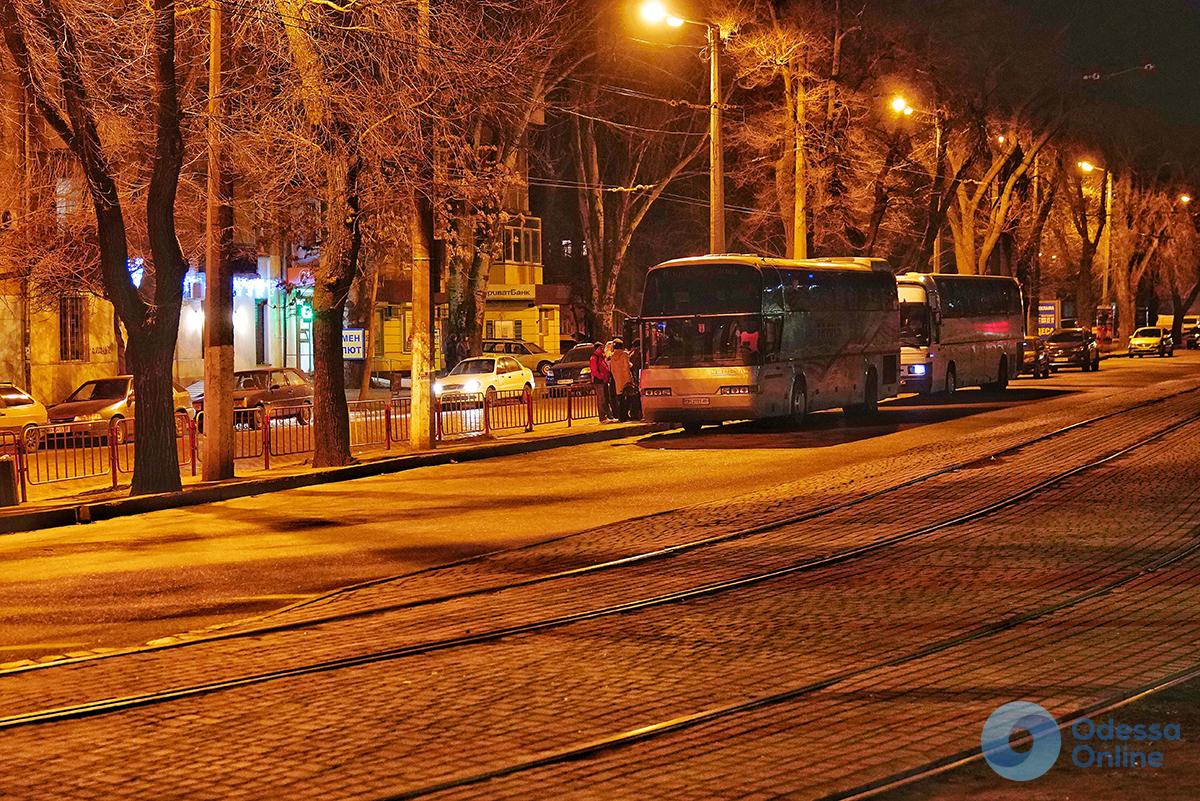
635 364
622 380
600 378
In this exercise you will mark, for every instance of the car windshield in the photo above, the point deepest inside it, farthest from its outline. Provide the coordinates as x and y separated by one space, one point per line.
102 389
10 396
579 353
250 381
534 348
914 325
1148 332
1067 336
474 367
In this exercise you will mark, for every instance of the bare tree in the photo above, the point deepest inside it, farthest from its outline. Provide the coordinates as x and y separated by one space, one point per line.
71 69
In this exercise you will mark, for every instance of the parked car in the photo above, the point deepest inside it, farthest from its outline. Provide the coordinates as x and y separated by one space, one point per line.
1191 338
1151 340
1035 357
485 375
20 414
108 399
572 367
1073 347
287 387
527 354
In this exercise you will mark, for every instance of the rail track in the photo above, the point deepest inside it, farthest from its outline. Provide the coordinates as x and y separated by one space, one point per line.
114 704
633 559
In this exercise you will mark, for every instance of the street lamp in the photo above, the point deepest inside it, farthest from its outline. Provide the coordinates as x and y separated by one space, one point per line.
1087 168
1185 199
656 13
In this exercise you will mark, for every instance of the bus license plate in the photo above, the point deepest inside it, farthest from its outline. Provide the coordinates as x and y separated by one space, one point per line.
696 401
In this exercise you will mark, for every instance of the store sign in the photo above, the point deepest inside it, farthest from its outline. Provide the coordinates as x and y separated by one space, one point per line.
354 344
512 292
1049 312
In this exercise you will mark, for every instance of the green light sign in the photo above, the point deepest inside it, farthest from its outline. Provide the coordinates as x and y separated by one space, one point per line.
305 310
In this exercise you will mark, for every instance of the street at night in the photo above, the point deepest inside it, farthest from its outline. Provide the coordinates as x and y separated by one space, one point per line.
614 400
866 593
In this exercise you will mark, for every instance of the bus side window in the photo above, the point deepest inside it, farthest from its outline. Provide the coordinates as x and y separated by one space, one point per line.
795 290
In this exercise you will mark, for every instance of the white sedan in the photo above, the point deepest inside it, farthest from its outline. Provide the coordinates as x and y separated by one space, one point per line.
485 375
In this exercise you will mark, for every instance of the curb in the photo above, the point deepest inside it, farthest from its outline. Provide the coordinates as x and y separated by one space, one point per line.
72 513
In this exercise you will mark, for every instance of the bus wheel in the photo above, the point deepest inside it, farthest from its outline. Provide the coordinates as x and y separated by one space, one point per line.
951 381
692 428
1001 382
870 402
799 405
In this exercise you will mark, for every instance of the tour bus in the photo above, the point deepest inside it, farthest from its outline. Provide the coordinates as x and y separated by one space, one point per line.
959 331
737 337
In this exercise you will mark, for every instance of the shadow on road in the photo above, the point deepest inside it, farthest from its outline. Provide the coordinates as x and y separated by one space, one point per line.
824 429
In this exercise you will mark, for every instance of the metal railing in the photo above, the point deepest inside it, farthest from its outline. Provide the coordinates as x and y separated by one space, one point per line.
46 454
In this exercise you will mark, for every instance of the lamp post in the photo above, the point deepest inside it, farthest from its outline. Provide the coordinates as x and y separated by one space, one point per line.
1088 167
656 13
901 107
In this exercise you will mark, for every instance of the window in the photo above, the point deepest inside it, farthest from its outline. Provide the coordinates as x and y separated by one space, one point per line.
516 329
10 396
72 328
260 332
704 289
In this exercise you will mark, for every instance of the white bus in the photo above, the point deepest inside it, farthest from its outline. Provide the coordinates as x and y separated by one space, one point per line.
959 331
736 337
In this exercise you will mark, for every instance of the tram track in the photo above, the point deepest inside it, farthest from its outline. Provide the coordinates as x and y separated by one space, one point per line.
625 561
726 712
115 704
965 757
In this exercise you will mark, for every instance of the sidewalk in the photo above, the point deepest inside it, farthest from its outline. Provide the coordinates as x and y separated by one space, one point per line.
82 501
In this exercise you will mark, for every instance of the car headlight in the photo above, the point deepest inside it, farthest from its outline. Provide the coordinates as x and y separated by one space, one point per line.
916 369
585 371
471 386
88 418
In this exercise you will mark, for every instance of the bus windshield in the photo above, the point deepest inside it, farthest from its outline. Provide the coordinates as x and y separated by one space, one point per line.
703 289
914 325
705 341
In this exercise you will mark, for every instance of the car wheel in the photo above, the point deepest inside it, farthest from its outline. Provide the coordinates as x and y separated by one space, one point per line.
257 415
951 381
528 387
121 432
200 422
544 369
490 395
1096 365
304 415
32 438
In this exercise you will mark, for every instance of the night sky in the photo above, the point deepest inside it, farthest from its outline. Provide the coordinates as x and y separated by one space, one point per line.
1111 36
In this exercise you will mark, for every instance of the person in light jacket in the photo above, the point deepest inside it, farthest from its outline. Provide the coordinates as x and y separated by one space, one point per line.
622 380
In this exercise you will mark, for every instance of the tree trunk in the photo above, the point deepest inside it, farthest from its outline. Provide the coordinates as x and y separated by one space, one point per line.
339 264
1179 307
1085 290
119 345
156 462
331 415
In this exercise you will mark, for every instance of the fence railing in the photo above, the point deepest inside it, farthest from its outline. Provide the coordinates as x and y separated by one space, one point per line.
62 452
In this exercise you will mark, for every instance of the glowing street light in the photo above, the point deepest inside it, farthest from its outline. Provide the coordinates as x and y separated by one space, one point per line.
1086 166
655 13
1185 199
899 104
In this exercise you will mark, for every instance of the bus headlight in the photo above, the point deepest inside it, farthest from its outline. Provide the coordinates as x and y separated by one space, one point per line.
656 392
738 390
916 369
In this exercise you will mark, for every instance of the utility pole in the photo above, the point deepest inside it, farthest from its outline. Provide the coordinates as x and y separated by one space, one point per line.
800 191
218 296
1108 208
939 160
424 271
716 176
27 158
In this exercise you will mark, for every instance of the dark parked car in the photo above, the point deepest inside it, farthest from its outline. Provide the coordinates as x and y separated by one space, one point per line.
572 367
1073 347
1191 338
1035 358
286 387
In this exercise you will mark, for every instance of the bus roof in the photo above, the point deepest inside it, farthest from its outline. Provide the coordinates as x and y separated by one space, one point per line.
925 278
753 260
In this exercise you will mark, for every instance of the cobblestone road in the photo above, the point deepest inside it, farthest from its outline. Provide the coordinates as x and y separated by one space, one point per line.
807 683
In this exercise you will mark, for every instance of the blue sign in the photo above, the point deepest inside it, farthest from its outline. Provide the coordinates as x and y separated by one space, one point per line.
1049 313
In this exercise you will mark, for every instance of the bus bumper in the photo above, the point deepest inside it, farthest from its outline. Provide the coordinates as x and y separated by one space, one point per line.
707 408
916 383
